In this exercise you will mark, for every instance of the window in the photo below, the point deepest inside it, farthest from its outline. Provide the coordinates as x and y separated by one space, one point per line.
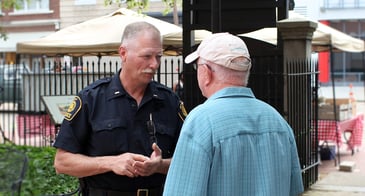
335 4
362 29
85 2
32 6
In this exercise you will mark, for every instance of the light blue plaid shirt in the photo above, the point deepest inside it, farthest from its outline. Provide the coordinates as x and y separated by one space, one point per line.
234 144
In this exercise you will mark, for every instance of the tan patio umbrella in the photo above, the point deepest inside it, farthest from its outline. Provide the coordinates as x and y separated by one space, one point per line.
324 37
99 36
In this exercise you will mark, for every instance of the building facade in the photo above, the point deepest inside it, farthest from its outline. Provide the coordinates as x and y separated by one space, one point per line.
347 16
37 18
31 20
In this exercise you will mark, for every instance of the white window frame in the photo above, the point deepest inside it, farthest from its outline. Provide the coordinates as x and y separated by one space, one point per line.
85 2
32 6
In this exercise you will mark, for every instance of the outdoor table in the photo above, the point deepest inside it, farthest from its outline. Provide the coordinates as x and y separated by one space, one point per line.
338 131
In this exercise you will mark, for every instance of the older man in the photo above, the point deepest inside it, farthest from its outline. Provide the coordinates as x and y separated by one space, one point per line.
232 144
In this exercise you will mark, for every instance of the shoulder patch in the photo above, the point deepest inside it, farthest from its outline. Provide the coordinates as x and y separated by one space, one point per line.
73 108
182 111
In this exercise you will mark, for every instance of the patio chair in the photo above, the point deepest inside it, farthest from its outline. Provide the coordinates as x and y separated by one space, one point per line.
13 165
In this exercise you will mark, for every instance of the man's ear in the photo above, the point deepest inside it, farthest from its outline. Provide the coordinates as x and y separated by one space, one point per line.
208 75
122 53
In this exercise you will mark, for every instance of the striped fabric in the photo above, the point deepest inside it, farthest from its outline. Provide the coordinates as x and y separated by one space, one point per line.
234 144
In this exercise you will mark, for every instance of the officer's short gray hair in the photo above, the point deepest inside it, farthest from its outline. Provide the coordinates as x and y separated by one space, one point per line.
132 30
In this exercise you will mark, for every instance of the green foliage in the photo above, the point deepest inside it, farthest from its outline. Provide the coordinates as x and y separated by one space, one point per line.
142 5
6 4
41 178
139 4
169 5
3 35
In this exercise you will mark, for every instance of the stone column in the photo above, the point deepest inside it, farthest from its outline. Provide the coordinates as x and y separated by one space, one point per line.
297 38
296 35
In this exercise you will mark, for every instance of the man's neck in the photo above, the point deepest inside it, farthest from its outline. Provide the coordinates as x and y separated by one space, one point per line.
134 89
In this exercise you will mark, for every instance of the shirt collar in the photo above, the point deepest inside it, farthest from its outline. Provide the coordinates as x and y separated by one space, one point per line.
116 89
232 92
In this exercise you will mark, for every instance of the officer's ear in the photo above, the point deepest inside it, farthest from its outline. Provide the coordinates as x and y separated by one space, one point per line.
122 53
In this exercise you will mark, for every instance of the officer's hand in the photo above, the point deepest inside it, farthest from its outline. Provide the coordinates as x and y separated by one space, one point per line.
150 166
123 164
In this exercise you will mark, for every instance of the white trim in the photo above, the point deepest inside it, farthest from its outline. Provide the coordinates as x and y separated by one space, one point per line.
24 12
25 23
85 2
13 38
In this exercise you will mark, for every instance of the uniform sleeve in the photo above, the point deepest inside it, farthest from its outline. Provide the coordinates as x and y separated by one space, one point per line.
74 128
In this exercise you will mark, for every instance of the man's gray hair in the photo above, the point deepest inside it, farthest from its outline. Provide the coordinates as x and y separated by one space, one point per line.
226 75
132 30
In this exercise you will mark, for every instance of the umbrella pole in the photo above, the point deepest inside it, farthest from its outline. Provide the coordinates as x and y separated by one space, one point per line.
363 63
334 105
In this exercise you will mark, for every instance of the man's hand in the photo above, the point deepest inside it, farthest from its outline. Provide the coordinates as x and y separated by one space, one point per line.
124 164
151 165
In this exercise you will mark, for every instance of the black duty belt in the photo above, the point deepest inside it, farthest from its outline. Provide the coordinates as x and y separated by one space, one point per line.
138 192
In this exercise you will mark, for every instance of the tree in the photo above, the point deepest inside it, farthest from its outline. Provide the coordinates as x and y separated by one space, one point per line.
143 5
172 4
6 4
139 4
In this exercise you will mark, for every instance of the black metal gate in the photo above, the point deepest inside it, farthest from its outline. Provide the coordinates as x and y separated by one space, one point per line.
302 113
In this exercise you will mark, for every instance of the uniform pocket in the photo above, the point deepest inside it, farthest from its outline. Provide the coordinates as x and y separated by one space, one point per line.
166 138
109 137
108 124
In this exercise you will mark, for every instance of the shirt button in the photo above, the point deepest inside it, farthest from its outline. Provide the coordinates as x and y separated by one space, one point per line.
109 125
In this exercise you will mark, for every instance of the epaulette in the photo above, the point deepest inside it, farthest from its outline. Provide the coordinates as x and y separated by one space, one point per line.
182 111
100 82
163 87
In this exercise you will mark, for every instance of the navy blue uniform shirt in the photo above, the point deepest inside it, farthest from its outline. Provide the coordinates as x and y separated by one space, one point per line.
104 120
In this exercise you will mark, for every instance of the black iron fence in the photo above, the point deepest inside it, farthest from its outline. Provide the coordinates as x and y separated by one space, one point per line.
291 89
302 113
23 115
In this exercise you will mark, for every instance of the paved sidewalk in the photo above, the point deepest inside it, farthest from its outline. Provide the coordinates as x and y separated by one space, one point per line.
332 181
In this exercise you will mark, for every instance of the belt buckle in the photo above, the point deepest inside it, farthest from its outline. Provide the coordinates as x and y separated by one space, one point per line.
142 192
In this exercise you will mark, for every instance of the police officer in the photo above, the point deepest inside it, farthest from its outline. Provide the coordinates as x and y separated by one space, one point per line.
119 134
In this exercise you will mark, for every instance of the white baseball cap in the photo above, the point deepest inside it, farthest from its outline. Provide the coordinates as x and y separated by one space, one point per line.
221 49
